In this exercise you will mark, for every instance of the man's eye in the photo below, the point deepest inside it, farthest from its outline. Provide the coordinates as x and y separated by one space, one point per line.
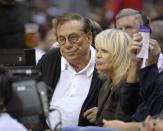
61 39
73 38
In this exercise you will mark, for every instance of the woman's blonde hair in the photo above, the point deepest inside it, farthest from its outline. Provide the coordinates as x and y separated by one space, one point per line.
116 42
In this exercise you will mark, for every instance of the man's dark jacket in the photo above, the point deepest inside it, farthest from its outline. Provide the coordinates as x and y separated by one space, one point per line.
146 97
50 66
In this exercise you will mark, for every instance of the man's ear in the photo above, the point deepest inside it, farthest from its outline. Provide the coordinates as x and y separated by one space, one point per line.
90 37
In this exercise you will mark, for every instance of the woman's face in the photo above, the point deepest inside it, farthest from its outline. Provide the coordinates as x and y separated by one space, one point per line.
103 61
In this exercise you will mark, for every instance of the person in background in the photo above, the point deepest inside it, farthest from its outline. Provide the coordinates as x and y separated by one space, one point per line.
13 17
112 7
70 71
129 21
156 25
95 29
147 103
7 123
45 44
139 98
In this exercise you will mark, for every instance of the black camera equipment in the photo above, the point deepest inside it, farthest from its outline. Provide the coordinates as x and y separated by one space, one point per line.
29 103
17 58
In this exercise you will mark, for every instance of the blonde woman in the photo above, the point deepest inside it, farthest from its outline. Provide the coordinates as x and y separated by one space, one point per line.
112 61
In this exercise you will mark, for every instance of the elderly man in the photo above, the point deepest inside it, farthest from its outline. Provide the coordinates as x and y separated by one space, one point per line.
129 21
70 71
141 101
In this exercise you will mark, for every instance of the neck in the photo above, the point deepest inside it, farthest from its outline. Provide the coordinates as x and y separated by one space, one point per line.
111 74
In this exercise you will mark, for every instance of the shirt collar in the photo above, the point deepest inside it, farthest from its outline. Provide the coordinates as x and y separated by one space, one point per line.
88 70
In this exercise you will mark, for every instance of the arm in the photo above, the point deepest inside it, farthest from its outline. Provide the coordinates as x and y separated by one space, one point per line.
129 96
122 126
149 75
134 95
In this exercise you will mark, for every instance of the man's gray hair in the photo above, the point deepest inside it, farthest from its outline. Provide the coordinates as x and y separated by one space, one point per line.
130 12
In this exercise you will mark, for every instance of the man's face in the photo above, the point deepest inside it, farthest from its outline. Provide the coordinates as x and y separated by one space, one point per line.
128 24
74 43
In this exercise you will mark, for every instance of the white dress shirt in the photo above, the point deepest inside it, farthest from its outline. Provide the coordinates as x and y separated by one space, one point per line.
71 92
160 62
7 123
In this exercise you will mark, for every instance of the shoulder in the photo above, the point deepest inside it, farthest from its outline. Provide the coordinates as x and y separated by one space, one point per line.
51 55
49 62
52 52
6 120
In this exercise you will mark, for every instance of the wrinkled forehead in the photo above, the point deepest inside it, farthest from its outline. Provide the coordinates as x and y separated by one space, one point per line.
69 27
129 19
126 19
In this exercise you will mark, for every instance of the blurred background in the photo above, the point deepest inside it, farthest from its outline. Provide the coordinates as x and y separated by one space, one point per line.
15 15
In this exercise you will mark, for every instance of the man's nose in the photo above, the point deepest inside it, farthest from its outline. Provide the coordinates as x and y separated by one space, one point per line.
67 42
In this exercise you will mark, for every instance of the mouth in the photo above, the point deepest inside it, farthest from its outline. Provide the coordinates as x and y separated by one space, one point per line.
98 63
70 53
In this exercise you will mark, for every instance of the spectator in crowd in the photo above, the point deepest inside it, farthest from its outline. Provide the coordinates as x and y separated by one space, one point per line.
95 29
13 17
112 7
139 97
77 6
7 123
129 21
157 33
45 44
113 61
157 8
70 71
141 101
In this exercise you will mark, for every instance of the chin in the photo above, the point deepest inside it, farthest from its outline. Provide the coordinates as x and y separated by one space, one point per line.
71 58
